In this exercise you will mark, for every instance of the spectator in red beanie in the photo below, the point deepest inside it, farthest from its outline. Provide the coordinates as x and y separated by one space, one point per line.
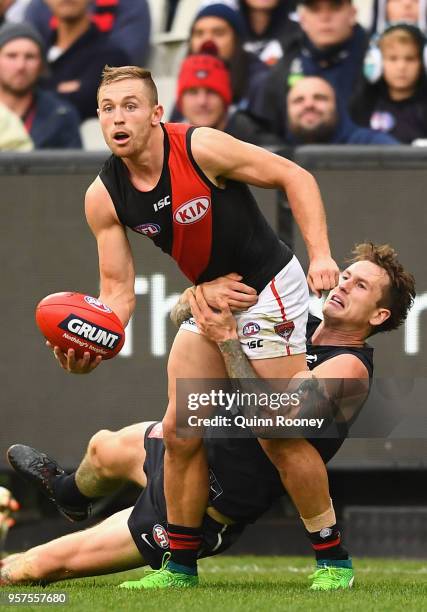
204 92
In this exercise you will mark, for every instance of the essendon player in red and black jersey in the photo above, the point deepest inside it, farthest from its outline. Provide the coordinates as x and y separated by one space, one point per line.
186 189
204 227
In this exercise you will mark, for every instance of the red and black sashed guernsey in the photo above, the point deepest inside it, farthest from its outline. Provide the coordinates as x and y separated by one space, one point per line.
209 231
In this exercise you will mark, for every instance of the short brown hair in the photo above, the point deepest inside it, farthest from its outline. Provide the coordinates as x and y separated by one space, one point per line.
400 293
110 74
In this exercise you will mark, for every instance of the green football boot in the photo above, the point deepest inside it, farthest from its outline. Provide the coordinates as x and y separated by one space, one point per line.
331 578
162 578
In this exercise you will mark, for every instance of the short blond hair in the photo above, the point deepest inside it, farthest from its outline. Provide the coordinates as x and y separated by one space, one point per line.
398 36
111 74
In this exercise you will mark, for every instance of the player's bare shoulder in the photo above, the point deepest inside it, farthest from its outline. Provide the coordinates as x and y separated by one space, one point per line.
99 208
342 366
209 148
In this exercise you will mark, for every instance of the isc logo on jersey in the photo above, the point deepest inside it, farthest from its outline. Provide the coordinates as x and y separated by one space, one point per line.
94 333
162 203
192 211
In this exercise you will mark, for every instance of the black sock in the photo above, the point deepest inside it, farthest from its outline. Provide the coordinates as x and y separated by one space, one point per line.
67 493
184 543
327 544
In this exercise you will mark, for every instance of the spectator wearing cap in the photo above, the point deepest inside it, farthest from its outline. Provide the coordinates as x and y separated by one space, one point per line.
267 27
331 45
51 122
204 91
223 25
13 135
77 55
393 96
126 23
314 116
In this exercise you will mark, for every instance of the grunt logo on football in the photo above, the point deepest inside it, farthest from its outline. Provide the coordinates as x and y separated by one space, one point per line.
251 328
148 229
160 536
94 333
95 303
192 211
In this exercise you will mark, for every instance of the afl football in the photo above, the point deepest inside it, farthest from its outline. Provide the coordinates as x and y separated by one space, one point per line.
81 322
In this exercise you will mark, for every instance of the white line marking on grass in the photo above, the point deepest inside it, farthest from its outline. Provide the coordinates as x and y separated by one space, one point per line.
256 569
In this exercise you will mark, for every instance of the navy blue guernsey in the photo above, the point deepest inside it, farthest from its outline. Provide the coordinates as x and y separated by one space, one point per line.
209 231
246 480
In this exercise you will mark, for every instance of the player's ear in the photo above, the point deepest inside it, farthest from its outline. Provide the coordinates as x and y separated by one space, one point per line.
380 315
157 115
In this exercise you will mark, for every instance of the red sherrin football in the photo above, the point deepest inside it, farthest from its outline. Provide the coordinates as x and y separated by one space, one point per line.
82 322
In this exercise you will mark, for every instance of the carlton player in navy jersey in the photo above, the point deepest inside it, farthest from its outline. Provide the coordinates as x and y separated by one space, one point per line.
185 189
374 295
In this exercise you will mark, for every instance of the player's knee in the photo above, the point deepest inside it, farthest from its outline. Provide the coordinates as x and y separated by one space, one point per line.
182 447
102 451
284 454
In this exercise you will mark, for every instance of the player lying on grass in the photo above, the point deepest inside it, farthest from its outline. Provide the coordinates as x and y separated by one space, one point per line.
374 294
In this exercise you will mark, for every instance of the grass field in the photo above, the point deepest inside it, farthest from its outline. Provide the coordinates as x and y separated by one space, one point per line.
255 583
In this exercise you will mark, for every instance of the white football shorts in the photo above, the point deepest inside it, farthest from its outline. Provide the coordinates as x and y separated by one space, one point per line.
276 325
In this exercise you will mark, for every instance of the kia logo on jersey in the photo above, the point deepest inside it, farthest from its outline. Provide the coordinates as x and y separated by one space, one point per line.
148 229
192 211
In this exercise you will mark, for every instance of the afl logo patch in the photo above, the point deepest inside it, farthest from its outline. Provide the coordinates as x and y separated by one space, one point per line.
95 303
250 329
192 211
148 229
160 536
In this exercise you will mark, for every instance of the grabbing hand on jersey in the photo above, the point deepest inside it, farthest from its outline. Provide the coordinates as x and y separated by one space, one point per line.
323 274
226 289
218 326
231 290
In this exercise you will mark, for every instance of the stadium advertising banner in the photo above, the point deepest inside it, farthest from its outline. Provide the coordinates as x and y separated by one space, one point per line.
47 247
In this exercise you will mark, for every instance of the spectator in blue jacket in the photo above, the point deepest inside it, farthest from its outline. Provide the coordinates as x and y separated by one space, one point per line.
331 45
314 116
77 54
51 122
127 24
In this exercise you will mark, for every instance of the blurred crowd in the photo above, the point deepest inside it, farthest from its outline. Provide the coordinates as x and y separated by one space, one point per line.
270 72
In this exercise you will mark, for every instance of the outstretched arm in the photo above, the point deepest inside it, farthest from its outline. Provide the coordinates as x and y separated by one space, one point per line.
221 155
116 269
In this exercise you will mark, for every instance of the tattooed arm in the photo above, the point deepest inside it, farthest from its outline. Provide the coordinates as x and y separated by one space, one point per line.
182 311
334 391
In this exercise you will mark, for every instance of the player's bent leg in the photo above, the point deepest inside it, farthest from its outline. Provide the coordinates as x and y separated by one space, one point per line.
112 458
186 473
108 547
186 478
302 472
